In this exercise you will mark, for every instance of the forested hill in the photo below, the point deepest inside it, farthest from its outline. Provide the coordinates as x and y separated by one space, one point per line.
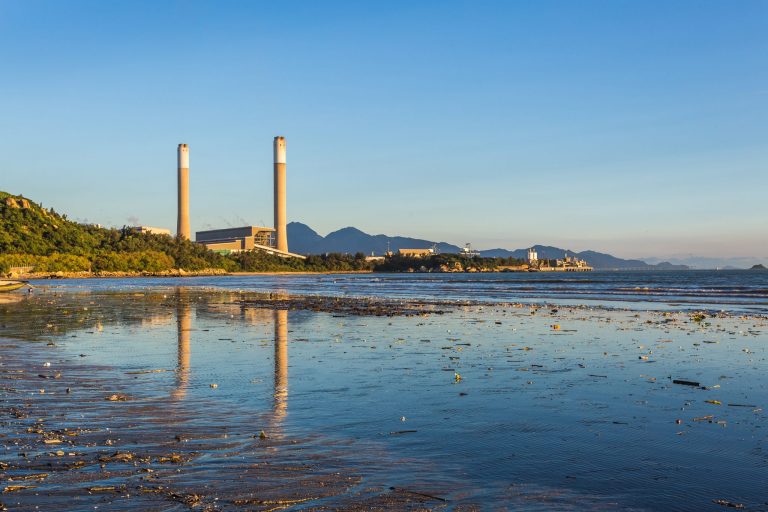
27 228
33 236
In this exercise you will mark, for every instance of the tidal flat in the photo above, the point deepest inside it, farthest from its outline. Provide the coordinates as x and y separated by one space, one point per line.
186 398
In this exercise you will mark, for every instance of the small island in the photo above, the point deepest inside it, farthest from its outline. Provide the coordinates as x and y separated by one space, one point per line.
759 266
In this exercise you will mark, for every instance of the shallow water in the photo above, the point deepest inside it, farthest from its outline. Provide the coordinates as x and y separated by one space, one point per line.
487 405
729 290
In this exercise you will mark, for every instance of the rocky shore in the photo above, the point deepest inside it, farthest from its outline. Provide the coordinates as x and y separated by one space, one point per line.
179 272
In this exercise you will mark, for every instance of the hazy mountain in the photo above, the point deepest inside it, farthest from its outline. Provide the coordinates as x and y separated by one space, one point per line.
304 240
595 259
705 262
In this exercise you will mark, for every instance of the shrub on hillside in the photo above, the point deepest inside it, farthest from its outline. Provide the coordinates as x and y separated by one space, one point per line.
62 263
145 261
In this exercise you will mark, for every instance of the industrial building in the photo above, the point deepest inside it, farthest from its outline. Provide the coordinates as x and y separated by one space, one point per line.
151 230
247 238
237 239
568 264
416 253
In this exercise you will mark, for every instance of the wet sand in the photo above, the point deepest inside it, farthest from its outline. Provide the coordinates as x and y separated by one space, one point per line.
191 399
79 436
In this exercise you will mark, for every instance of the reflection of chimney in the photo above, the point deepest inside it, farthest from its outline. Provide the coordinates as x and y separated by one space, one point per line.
281 234
281 363
182 224
184 326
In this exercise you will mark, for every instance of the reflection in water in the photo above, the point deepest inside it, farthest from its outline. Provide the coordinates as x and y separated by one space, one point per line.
183 326
281 365
253 316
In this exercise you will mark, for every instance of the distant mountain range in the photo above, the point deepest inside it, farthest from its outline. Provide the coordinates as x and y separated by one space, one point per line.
304 240
724 263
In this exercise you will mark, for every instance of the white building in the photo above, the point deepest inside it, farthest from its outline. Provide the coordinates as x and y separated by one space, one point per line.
152 230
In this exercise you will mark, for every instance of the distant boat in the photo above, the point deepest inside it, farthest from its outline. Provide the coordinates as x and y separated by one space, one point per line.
9 286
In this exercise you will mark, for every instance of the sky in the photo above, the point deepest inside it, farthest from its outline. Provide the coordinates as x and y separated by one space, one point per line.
638 128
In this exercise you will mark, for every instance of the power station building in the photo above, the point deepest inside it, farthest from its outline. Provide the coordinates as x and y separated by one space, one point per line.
247 238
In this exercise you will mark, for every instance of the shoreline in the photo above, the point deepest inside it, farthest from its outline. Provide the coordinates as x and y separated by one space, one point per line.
169 273
221 272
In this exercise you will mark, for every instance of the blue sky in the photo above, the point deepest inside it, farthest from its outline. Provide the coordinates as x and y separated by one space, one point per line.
635 128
